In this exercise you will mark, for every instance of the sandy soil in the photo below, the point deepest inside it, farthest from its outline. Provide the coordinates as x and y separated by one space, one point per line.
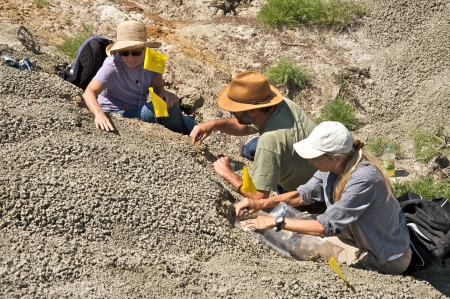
141 213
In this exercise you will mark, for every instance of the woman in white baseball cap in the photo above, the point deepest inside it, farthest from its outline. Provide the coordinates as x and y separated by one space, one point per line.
363 222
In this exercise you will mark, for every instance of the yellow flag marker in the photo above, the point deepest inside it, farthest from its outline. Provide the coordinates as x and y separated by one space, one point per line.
159 105
247 184
154 61
334 265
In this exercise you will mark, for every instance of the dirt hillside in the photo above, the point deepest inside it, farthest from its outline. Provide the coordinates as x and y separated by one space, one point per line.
141 213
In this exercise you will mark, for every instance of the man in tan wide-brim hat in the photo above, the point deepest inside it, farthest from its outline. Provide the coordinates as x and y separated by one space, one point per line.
122 84
258 107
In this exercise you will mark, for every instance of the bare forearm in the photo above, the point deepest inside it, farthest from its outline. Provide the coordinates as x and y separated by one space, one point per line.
233 179
237 183
231 126
223 168
90 96
307 227
91 102
291 198
259 194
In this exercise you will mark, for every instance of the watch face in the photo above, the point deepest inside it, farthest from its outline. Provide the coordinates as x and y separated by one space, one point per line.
279 221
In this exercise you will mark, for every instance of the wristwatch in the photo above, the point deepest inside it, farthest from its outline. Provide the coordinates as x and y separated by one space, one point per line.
279 221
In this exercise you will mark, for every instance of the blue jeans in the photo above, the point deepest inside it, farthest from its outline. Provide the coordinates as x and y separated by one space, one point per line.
176 121
280 190
249 148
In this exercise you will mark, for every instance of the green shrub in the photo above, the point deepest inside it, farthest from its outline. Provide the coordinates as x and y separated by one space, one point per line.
287 72
428 144
88 29
378 144
339 110
69 47
342 83
331 13
41 3
428 187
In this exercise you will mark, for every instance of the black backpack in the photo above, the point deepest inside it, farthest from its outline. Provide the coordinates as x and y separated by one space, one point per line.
90 57
429 227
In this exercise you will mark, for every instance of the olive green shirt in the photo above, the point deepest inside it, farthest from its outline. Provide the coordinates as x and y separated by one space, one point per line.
276 162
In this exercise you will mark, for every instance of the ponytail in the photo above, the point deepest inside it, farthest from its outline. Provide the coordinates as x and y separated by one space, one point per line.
354 158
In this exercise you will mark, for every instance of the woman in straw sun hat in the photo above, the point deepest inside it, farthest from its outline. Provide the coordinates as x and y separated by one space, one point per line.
121 85
363 222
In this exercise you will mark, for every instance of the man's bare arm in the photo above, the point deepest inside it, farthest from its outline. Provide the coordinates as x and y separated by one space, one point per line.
228 126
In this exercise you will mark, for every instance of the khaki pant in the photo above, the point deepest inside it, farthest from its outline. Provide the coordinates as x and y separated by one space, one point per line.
345 251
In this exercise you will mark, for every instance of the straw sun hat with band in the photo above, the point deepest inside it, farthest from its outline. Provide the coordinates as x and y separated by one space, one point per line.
248 90
131 35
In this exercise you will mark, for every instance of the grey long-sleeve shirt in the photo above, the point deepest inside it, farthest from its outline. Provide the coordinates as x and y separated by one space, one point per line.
364 214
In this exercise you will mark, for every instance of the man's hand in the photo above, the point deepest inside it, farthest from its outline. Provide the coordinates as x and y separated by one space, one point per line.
223 167
200 132
247 207
103 122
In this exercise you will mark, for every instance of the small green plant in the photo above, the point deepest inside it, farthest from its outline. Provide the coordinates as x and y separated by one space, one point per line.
378 144
428 187
332 13
41 3
67 21
70 45
342 83
428 144
88 29
287 72
339 110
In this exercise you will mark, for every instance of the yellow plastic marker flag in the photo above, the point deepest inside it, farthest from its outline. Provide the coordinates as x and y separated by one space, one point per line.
247 184
159 105
334 265
154 61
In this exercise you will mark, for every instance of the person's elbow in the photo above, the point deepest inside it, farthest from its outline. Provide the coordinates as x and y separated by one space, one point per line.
89 94
318 233
93 89
316 229
261 194
321 234
85 94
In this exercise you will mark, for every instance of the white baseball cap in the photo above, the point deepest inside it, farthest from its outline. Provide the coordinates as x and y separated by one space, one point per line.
329 137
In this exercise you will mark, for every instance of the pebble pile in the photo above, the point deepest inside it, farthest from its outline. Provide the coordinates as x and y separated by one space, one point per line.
138 213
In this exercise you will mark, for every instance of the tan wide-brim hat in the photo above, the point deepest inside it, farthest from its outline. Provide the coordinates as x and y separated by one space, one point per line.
248 90
131 35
